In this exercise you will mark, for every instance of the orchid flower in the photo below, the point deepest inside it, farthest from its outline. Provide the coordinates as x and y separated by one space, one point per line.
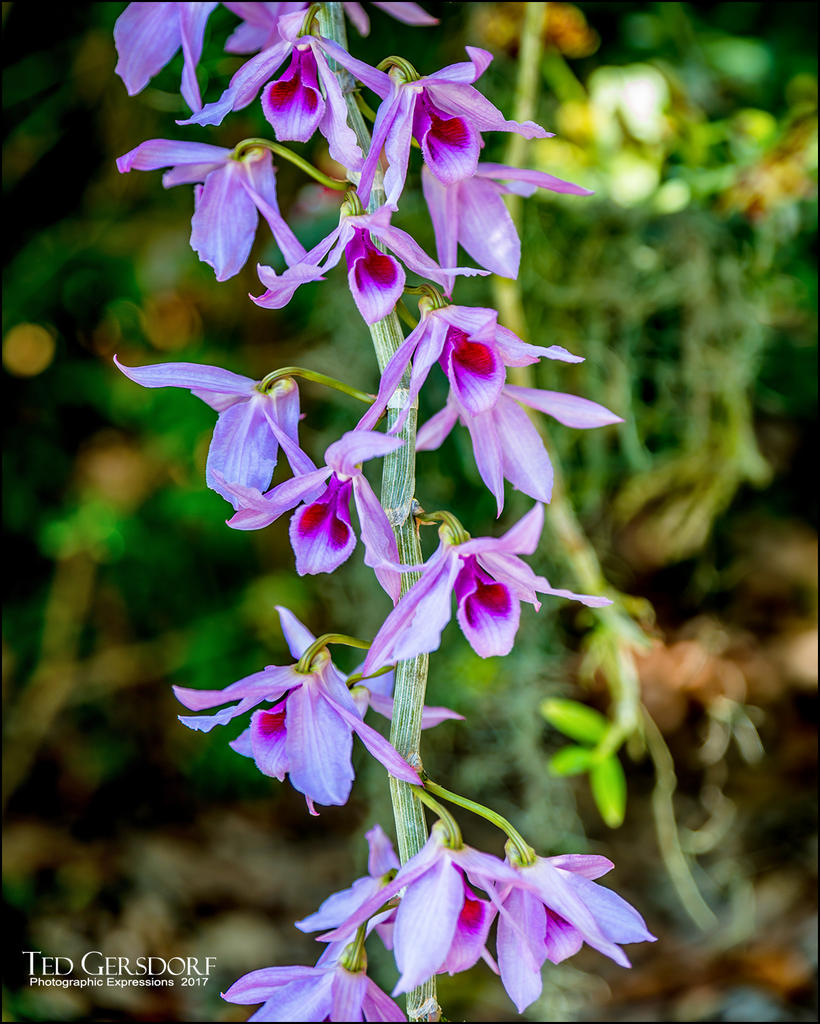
472 348
330 991
472 212
308 732
506 444
234 191
382 865
320 530
442 111
440 924
376 278
489 582
251 425
551 915
148 35
307 96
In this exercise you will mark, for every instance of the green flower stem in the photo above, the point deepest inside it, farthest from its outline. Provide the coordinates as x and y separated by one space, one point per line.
291 157
525 851
455 841
317 378
398 487
304 663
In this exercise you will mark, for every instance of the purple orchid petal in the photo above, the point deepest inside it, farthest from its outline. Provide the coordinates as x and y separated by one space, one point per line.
146 36
443 203
585 864
293 105
224 222
341 139
471 933
257 986
571 410
259 182
376 280
559 892
516 575
255 511
465 72
280 288
340 905
297 636
516 352
521 539
319 745
415 624
376 80
348 994
430 346
562 939
426 922
460 99
434 432
381 855
475 371
397 142
357 446
522 925
269 684
526 463
539 179
617 919
320 533
485 228
243 450
194 376
193 18
204 723
300 463
378 1006
392 375
156 153
244 86
268 735
489 453
377 745
378 538
242 744
409 13
415 258
450 145
479 322
387 118
487 612
310 999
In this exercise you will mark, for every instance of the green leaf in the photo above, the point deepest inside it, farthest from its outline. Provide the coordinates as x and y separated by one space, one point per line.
570 761
579 722
609 790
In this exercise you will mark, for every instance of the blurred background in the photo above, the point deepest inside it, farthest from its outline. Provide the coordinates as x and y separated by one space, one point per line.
688 284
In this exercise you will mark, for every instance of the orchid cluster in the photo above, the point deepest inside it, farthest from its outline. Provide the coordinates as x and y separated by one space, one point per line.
436 909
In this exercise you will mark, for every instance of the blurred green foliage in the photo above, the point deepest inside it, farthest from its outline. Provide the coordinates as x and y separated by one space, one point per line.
687 283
